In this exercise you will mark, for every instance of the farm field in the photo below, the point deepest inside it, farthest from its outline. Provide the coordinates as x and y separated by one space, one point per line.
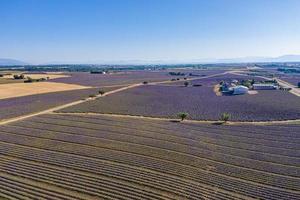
15 107
6 79
211 81
130 77
24 89
200 102
292 79
64 156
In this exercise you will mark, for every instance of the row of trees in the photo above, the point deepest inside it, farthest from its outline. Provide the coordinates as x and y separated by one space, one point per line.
224 116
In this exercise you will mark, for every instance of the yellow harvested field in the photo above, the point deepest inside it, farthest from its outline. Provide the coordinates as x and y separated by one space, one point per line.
25 89
38 76
51 76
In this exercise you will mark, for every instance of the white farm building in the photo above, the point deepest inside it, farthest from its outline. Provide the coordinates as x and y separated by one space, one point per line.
264 86
240 89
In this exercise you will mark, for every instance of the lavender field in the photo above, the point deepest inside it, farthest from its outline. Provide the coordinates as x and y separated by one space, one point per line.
102 157
14 107
130 77
211 81
88 79
200 102
292 79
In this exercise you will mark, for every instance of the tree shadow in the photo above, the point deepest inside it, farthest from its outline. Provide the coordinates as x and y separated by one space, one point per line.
218 123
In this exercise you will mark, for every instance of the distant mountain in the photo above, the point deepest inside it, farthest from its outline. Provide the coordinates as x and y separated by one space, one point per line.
284 58
288 58
10 62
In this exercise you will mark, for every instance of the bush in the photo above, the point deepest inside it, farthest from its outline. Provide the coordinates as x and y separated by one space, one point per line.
92 95
298 84
19 76
31 80
225 117
186 83
182 115
101 92
197 85
145 82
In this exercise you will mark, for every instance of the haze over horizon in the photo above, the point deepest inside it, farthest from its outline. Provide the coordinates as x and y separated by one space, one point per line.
117 30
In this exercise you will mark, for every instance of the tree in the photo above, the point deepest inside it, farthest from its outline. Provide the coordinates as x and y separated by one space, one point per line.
225 117
186 83
101 92
182 115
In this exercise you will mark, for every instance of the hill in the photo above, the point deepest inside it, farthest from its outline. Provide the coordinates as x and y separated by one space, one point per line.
11 62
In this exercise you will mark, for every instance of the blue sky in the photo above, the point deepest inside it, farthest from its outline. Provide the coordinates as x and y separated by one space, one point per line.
41 31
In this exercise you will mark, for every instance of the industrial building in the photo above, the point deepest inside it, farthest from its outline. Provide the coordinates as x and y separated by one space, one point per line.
264 86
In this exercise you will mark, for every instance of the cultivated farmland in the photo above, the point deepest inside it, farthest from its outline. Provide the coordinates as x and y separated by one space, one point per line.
129 77
200 102
100 157
25 89
15 107
292 79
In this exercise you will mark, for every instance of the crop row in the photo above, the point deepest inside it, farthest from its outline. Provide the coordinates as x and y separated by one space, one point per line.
153 157
95 138
161 180
180 132
194 147
95 186
177 136
278 133
11 188
85 184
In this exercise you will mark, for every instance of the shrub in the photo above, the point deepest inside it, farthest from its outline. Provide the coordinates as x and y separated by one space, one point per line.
225 117
31 80
197 85
145 82
186 83
298 84
19 76
182 115
101 92
92 95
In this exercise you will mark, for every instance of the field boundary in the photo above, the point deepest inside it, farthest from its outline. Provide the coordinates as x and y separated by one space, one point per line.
217 122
